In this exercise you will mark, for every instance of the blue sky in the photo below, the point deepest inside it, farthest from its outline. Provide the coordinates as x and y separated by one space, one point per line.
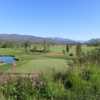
73 19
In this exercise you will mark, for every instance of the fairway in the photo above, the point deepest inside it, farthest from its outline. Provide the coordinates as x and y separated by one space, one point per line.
35 62
43 65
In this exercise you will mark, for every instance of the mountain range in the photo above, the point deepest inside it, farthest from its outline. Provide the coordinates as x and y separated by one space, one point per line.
17 37
22 38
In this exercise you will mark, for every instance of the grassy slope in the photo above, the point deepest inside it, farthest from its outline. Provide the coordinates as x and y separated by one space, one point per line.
37 62
44 65
34 62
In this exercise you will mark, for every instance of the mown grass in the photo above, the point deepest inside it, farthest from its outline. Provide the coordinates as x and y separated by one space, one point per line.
42 65
30 62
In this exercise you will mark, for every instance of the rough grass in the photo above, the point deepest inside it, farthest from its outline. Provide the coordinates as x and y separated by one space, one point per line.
55 61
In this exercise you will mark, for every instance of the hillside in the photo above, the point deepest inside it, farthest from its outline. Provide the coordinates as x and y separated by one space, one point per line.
17 37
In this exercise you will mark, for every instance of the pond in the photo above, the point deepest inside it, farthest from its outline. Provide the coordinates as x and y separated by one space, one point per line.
7 59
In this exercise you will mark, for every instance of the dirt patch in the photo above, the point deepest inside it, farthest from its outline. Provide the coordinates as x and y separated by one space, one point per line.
55 54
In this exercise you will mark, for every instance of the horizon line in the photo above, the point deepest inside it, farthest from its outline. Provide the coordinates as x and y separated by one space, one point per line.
25 34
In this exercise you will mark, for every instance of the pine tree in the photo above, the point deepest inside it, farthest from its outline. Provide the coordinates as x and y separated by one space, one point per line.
78 50
67 48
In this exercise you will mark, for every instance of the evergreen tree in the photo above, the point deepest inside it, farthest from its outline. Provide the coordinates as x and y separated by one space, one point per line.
78 50
67 48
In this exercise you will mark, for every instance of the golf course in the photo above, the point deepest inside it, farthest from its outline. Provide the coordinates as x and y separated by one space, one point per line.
49 49
32 62
41 70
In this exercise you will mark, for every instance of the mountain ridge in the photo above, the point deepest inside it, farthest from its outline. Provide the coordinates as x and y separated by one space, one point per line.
31 38
18 37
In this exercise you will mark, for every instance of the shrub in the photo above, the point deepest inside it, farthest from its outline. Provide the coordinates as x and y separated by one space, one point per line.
71 54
